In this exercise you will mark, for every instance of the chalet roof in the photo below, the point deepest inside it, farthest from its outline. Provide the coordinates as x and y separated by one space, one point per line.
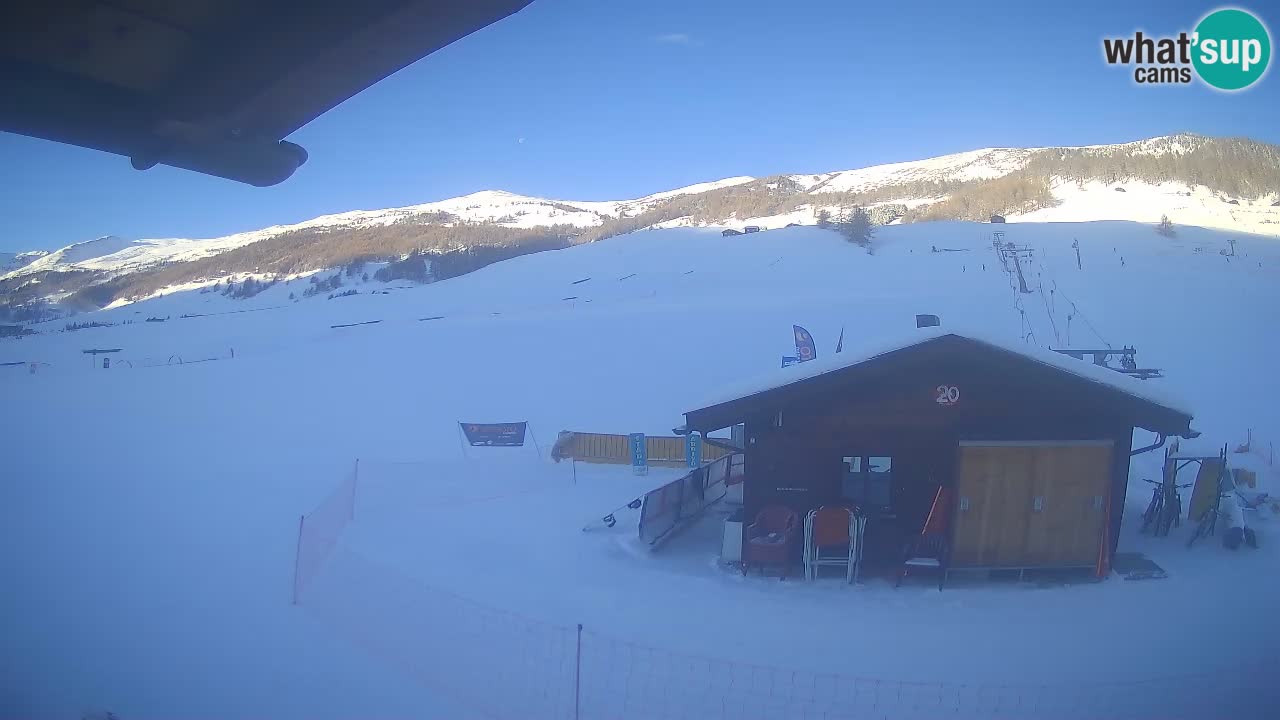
1150 394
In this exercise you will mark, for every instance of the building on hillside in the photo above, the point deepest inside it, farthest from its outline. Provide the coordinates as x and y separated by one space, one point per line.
997 219
729 232
14 331
751 228
1014 457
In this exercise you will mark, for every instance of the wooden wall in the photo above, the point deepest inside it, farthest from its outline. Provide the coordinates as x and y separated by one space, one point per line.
798 464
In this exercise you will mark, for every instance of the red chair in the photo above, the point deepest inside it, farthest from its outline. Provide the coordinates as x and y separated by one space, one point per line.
771 539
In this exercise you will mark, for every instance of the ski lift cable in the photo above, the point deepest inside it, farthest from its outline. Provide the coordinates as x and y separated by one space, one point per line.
1030 327
1026 329
1076 310
1052 322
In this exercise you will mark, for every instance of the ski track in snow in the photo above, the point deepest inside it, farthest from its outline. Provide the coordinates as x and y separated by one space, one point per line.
149 514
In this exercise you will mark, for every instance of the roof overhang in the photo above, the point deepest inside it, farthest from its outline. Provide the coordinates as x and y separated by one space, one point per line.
212 86
797 384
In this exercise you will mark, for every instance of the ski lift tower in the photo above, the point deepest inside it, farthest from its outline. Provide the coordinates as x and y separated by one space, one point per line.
1008 251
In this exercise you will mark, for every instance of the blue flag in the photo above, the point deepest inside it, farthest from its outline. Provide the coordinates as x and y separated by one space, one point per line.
804 344
693 450
639 453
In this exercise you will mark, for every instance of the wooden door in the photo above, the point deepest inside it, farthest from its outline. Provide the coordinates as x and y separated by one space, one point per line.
1070 489
1030 504
992 499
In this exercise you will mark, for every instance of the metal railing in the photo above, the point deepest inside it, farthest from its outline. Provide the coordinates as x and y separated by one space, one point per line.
667 508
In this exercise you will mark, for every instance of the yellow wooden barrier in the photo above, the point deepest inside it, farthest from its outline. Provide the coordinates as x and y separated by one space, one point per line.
616 450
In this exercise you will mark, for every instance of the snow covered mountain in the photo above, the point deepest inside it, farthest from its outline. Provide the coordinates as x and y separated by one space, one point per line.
82 254
496 207
973 165
985 164
14 261
1231 184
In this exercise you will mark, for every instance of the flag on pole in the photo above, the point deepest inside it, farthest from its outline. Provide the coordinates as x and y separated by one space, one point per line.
804 344
840 342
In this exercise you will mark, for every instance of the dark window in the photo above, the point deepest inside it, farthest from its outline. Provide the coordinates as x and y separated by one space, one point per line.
868 480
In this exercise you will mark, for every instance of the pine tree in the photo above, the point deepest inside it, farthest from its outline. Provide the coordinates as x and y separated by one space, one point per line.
824 218
857 227
1165 227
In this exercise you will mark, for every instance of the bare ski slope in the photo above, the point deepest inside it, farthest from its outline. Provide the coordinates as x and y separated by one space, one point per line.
149 512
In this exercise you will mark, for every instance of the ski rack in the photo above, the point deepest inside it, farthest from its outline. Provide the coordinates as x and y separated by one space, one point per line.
1175 461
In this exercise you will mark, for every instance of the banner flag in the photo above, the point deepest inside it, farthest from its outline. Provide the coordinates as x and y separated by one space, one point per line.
495 434
639 453
693 450
804 344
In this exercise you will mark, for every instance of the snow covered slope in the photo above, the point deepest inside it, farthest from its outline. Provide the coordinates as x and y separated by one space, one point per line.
985 164
1146 203
972 165
149 512
83 255
14 261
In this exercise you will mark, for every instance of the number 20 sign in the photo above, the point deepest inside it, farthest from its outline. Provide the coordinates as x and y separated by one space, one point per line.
947 395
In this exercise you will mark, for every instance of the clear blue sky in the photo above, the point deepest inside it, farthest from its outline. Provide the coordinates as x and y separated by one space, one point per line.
622 98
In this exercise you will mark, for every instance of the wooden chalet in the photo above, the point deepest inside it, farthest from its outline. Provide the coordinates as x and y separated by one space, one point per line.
1021 455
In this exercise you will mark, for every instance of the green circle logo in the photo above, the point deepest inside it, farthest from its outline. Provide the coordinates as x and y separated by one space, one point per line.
1232 49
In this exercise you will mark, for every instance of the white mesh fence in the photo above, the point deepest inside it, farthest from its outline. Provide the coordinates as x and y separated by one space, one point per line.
504 664
320 530
498 663
624 680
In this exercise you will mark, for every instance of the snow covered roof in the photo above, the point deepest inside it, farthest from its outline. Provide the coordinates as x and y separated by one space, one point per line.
1142 389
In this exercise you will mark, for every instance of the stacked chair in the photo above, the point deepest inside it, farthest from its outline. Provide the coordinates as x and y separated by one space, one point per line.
833 537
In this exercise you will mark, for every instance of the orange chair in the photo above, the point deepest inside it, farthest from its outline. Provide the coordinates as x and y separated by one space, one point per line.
771 539
833 537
